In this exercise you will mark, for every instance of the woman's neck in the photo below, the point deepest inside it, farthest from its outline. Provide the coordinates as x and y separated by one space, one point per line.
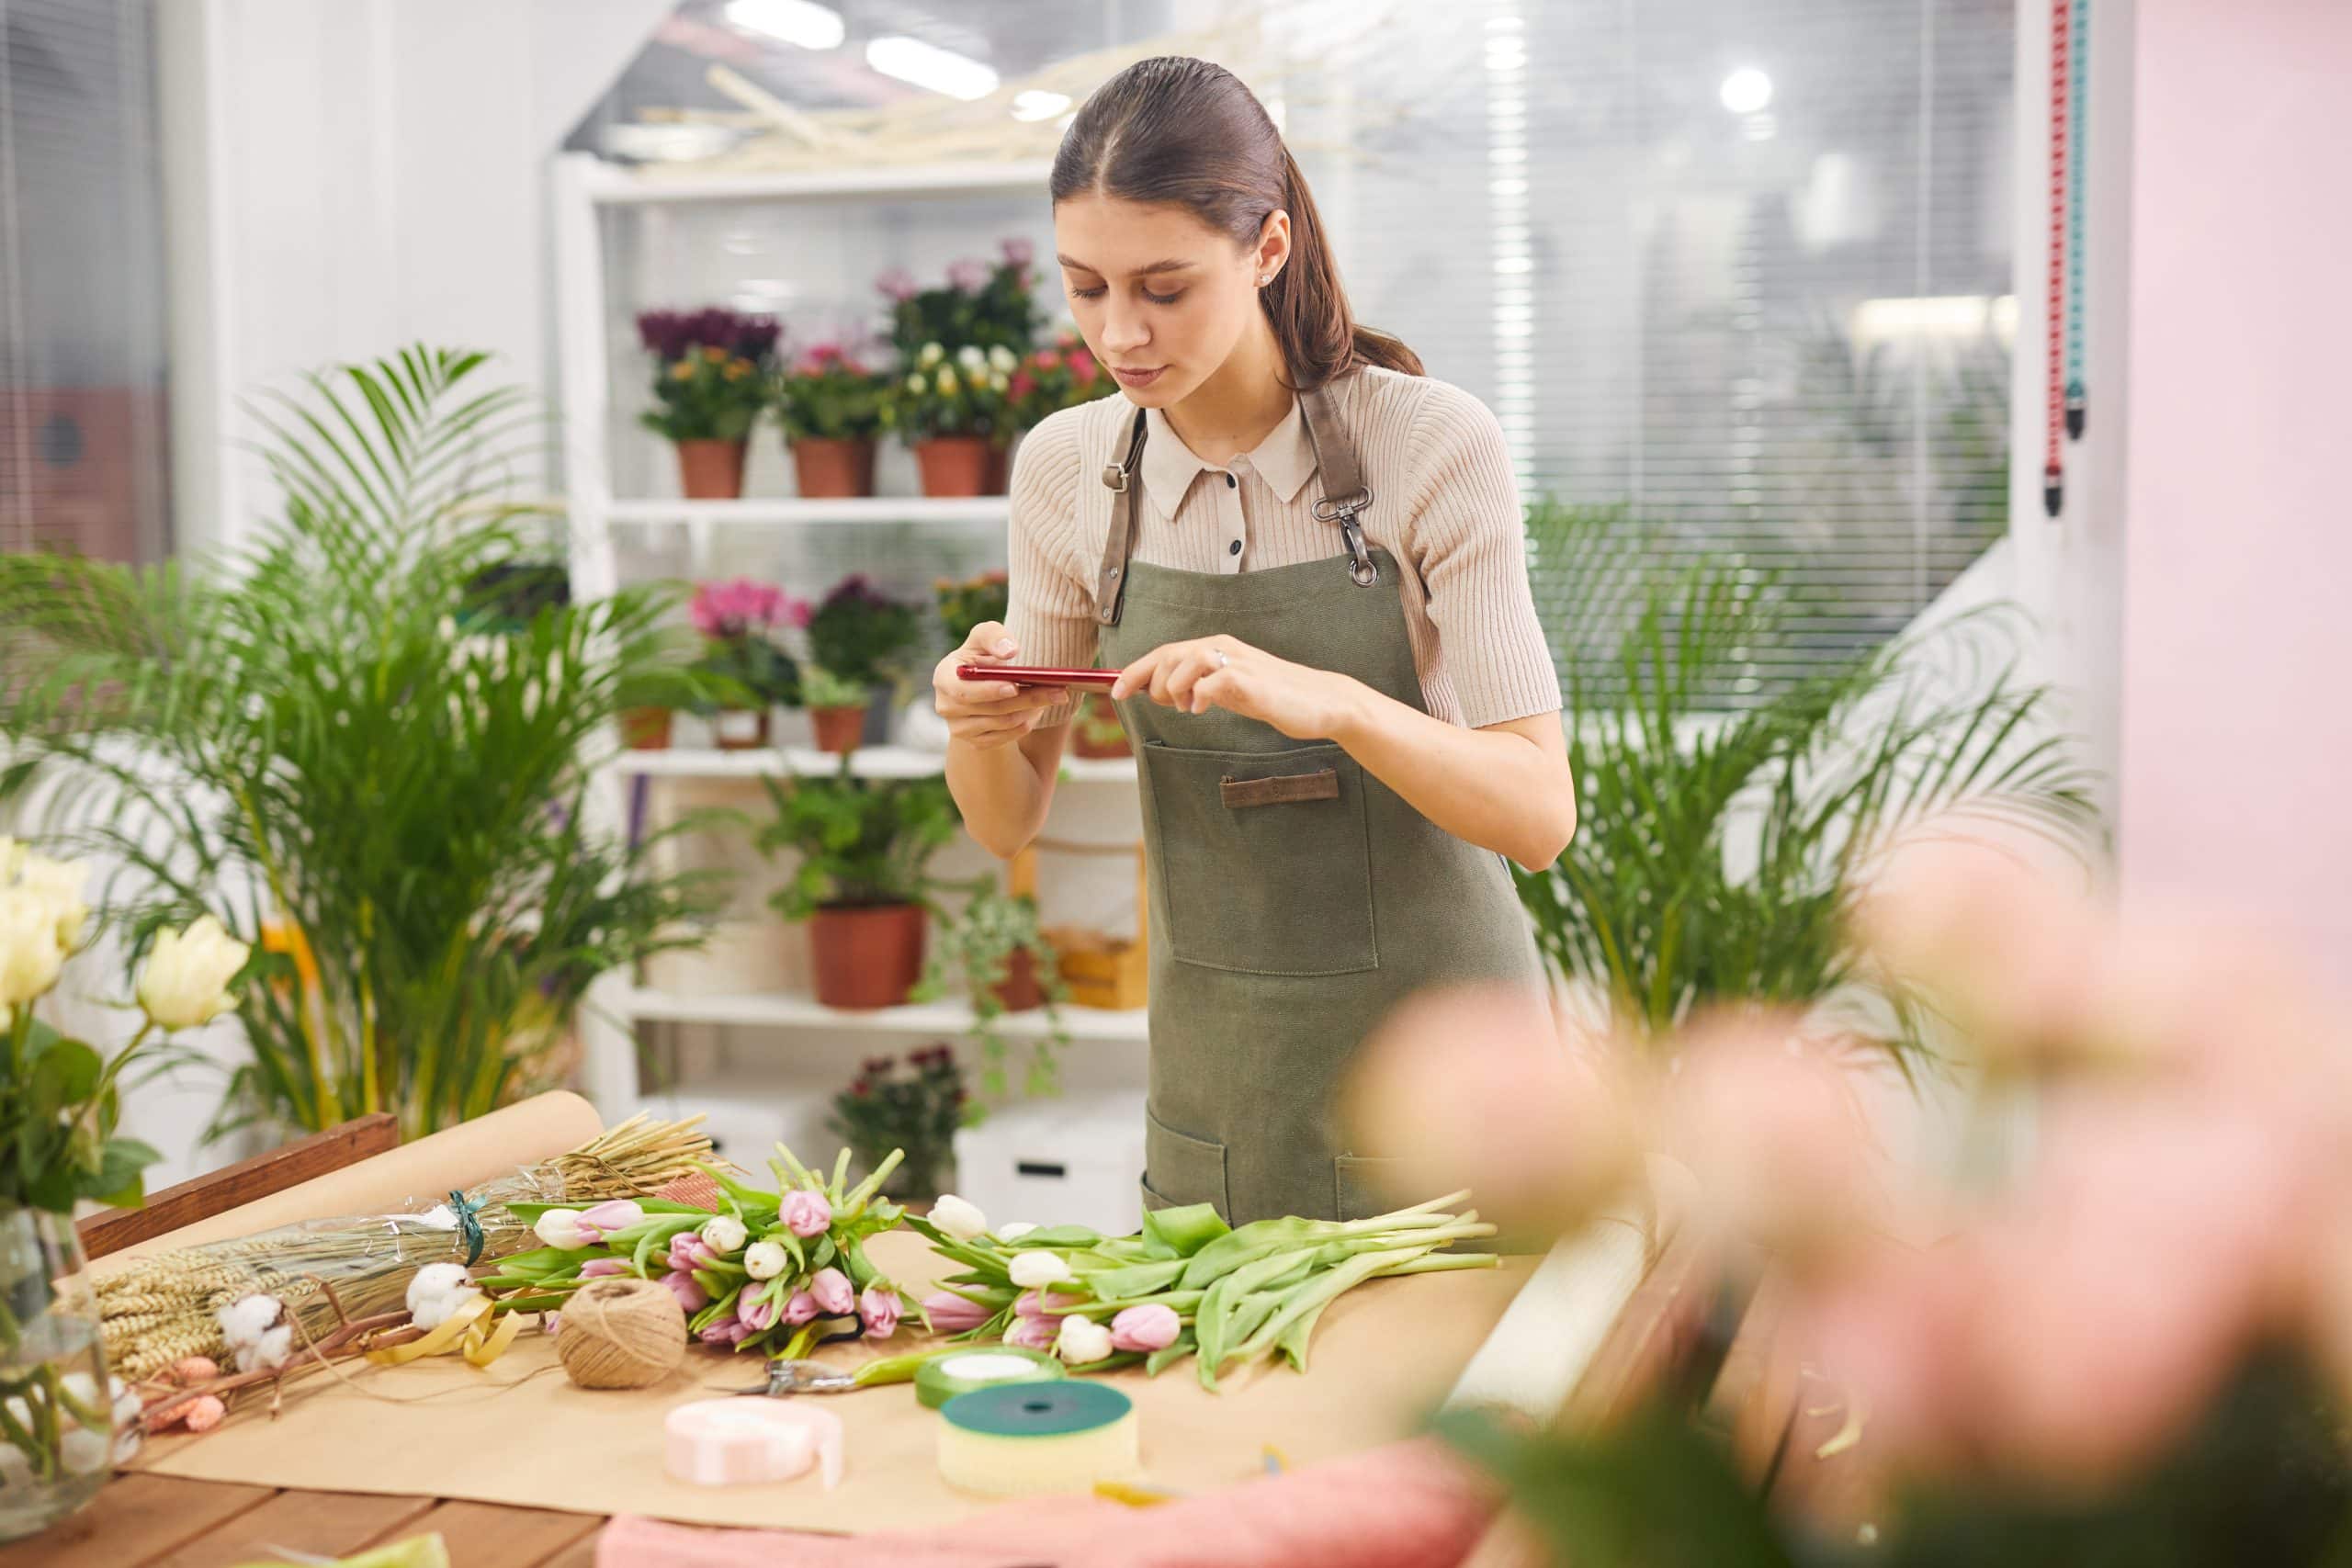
1239 406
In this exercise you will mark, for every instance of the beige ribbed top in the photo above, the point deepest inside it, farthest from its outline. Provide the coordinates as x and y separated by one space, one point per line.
1446 504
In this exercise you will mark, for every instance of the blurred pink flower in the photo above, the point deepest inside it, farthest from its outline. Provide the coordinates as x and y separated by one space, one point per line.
1081 365
1047 359
688 1252
806 1214
968 276
1034 1333
1153 1327
1041 1304
881 1309
897 282
1022 384
615 1214
1020 251
757 1310
948 1313
726 1331
743 607
802 1308
604 1268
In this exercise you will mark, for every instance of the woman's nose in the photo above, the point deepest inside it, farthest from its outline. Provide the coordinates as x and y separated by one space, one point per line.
1123 329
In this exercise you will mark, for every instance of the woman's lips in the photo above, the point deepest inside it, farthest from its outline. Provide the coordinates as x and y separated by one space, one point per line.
1138 378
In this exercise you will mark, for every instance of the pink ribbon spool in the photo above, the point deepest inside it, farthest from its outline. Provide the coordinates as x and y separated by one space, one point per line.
747 1442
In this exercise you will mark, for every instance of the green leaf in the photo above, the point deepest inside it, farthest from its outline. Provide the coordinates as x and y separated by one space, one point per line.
63 1077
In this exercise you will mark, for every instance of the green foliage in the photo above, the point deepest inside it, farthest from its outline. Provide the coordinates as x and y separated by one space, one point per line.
963 605
966 394
831 396
862 841
973 954
1718 856
710 395
60 1102
303 741
862 634
989 305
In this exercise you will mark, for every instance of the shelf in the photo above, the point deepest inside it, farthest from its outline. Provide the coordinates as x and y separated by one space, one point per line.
869 763
610 185
792 514
778 1010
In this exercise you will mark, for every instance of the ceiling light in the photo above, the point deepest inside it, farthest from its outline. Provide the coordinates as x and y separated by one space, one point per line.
1036 105
801 22
927 65
1748 91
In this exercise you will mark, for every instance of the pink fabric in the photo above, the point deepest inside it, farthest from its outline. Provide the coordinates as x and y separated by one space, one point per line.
1407 1506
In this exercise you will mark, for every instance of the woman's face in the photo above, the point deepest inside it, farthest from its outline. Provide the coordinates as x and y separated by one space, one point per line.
1159 296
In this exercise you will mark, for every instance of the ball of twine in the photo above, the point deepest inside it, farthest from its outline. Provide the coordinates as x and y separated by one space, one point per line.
621 1334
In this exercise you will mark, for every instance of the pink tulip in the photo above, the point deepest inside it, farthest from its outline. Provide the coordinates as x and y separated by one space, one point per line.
1040 1303
802 1308
881 1309
1034 1333
726 1331
604 1268
1153 1327
688 1252
615 1214
835 1296
690 1294
757 1310
950 1314
806 1214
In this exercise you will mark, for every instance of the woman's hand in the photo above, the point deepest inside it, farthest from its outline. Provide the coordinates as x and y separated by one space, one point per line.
1305 703
985 714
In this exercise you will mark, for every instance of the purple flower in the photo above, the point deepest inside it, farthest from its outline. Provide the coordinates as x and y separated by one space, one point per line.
968 276
672 335
690 1294
835 1296
806 1214
881 1309
898 284
802 1308
951 1314
1153 1327
744 606
604 1268
615 1214
759 1312
1034 1333
1019 251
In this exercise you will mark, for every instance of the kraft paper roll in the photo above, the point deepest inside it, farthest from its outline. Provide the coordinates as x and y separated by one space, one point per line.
1022 1440
461 1156
966 1372
750 1439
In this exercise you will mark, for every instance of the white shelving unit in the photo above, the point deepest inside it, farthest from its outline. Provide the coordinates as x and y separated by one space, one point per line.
585 189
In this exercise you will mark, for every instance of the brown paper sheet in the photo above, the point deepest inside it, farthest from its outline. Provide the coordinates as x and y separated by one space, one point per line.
519 1433
463 1155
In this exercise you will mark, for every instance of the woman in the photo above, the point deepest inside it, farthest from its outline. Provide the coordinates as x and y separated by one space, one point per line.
1306 560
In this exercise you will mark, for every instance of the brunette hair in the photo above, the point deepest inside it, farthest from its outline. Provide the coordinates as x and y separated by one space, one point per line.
1184 132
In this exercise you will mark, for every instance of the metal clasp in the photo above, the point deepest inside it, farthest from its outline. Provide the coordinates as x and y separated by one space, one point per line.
1331 509
1114 477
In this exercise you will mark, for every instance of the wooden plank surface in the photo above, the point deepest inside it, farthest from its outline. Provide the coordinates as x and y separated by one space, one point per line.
217 1191
490 1535
323 1524
136 1519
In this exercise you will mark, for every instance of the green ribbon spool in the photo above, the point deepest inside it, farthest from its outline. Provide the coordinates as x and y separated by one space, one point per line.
960 1372
1063 1410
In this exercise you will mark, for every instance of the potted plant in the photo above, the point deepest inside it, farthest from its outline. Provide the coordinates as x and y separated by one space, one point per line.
966 604
710 381
987 304
993 950
1095 731
832 407
863 884
917 1112
506 596
953 411
1060 376
738 621
59 1103
861 637
837 709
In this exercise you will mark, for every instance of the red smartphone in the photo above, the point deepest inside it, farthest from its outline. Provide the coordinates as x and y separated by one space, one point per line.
1021 675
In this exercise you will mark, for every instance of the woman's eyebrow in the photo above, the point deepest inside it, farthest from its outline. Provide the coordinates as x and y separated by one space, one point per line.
1171 264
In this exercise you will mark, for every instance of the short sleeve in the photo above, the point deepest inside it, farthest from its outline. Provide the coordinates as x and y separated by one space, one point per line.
1051 601
1468 539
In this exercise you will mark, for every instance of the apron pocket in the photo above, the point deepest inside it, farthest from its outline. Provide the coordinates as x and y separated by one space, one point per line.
1266 859
1180 1169
1366 1187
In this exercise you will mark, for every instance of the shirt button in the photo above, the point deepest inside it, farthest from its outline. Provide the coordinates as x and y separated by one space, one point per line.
1233 549
1230 482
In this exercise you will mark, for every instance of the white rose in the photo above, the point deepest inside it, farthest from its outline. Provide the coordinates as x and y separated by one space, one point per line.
1003 360
1035 1270
1015 1231
765 1260
1083 1342
561 1229
187 980
971 357
30 955
725 1233
931 355
958 1218
60 883
946 382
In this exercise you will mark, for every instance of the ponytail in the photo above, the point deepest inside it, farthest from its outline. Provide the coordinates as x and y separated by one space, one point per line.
1184 132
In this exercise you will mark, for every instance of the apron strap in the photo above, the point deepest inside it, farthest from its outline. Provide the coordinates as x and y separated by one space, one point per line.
1344 498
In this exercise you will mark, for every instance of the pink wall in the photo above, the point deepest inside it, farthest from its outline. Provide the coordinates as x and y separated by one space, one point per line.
2236 721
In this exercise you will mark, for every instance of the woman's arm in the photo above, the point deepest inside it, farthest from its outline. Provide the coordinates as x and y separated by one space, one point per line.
1506 787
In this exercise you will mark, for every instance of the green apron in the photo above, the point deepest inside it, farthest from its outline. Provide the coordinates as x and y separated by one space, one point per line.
1296 898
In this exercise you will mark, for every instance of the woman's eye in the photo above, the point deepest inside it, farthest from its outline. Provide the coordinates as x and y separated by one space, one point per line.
1094 293
1163 299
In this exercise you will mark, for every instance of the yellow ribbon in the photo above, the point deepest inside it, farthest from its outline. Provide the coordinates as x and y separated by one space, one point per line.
467 1328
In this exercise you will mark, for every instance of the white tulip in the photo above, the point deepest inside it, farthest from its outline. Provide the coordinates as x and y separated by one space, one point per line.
1015 1231
186 984
60 883
1035 1270
765 1260
971 357
30 955
1083 1342
931 354
1003 360
561 1229
958 1218
725 1233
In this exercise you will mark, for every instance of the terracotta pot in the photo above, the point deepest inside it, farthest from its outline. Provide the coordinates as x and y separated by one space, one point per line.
739 729
1094 708
960 465
1022 989
839 731
866 956
711 470
831 470
645 730
1000 470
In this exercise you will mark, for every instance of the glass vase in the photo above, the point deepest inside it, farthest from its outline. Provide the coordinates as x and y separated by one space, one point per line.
57 1437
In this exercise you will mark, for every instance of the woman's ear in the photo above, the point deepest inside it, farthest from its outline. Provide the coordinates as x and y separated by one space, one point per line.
1273 245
